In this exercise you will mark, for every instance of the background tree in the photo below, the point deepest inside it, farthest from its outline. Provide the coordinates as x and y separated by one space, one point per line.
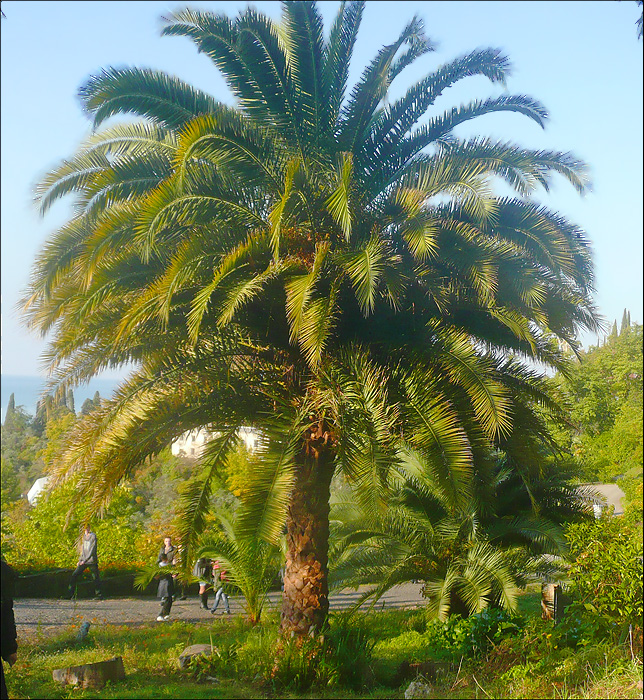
47 535
21 453
605 397
317 264
10 484
10 414
70 401
606 572
89 404
150 500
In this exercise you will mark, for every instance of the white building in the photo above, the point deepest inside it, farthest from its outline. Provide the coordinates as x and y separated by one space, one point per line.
38 487
192 443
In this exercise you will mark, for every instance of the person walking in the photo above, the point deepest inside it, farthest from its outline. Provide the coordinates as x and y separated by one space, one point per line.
203 571
171 553
169 550
88 560
8 635
165 588
219 581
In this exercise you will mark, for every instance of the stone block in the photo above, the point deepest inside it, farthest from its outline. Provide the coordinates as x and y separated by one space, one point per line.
93 675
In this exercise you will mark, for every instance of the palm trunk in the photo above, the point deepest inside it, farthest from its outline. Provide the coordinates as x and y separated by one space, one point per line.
305 603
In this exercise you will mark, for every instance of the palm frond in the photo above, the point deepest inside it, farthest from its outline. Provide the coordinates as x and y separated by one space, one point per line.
365 268
433 428
338 202
264 511
371 88
195 500
338 53
303 27
144 92
300 288
277 216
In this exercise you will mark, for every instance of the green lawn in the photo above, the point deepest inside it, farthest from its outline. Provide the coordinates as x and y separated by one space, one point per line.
529 665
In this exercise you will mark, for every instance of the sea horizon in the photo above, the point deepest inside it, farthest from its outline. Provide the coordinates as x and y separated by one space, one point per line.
27 390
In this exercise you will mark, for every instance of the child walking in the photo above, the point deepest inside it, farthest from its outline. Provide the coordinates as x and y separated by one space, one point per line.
219 577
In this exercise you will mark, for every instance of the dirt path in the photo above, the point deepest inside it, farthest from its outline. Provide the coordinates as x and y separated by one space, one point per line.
42 618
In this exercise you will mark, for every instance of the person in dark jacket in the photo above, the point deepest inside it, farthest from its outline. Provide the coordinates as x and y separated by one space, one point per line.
202 570
172 553
88 560
165 589
8 635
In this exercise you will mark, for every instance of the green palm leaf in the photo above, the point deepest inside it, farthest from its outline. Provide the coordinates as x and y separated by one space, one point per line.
195 500
338 53
338 202
144 92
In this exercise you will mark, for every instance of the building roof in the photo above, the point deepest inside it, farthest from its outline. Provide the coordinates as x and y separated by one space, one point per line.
606 495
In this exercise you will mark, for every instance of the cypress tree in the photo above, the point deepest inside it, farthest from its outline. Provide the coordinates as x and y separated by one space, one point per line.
11 412
614 333
42 411
70 401
626 322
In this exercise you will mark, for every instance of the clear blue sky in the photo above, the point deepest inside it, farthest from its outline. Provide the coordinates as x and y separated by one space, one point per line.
582 60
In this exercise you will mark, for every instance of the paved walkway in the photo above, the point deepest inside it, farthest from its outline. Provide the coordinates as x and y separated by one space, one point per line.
39 617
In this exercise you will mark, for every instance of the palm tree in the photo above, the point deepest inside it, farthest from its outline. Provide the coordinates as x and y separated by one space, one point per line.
467 555
320 265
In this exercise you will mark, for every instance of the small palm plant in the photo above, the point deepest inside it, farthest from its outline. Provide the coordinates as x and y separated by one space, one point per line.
251 563
468 555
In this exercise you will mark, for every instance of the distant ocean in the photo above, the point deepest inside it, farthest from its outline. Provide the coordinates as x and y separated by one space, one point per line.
27 391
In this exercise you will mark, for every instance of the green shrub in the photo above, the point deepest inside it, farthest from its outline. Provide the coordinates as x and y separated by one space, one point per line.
351 649
472 636
488 628
606 575
448 641
222 662
579 629
340 657
43 538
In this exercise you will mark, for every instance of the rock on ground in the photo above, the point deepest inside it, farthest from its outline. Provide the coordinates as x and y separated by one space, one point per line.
194 650
418 689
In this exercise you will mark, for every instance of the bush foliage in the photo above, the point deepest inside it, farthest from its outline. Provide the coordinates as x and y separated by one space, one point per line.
606 575
44 537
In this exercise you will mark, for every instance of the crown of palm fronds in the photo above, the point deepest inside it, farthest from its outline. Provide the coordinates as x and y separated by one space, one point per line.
238 257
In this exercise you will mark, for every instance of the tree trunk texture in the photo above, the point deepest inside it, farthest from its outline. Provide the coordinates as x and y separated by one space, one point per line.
305 603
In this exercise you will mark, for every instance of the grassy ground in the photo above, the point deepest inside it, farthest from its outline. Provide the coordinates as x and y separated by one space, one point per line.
529 666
